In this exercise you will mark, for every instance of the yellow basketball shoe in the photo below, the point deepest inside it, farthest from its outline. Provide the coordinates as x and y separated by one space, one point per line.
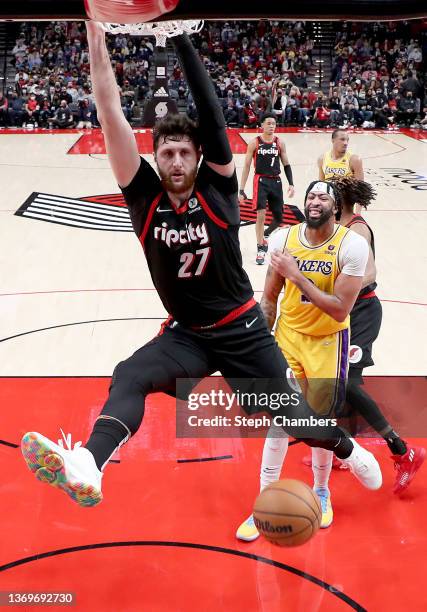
73 470
247 530
327 511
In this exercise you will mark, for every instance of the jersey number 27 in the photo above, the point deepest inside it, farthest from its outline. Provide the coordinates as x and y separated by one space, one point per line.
189 268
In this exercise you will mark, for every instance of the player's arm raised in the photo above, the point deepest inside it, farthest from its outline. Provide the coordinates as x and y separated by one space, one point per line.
212 128
119 139
246 168
288 170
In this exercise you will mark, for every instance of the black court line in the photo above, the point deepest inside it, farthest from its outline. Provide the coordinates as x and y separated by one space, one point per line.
11 444
227 551
35 331
201 459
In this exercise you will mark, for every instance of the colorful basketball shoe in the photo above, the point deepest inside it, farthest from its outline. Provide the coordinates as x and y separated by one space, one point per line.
261 253
247 530
71 469
327 511
407 466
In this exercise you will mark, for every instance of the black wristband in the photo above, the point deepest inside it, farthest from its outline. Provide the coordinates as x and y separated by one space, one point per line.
288 172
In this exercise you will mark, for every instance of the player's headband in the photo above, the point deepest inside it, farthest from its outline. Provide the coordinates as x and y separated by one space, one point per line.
322 187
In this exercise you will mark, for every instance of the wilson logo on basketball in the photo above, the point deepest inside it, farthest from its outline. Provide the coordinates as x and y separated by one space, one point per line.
267 527
109 213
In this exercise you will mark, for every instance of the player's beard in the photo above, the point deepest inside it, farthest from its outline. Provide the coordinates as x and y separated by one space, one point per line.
169 185
318 221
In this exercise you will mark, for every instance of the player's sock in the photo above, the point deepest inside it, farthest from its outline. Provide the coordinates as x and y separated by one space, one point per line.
321 466
107 436
273 456
395 442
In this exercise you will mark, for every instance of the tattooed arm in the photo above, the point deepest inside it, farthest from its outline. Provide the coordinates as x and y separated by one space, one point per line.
274 284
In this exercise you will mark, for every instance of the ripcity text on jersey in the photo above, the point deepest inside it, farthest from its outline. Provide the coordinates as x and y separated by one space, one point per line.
193 253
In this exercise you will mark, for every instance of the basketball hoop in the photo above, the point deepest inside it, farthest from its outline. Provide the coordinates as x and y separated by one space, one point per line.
161 31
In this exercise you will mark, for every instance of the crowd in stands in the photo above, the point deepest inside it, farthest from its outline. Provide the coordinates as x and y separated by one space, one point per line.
377 76
52 84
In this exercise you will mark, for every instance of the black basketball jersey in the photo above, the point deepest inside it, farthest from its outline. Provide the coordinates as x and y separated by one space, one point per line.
193 253
360 219
267 157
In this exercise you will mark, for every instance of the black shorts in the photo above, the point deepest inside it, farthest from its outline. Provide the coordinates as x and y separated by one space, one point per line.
244 351
365 324
268 190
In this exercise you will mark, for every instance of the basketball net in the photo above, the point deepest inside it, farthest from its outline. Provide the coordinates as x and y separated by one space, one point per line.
161 30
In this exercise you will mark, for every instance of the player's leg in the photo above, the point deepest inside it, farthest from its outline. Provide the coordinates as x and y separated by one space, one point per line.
249 352
260 205
366 318
275 447
154 367
252 353
326 361
275 203
325 368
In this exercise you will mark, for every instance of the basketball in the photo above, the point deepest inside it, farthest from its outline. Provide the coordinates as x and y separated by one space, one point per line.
287 512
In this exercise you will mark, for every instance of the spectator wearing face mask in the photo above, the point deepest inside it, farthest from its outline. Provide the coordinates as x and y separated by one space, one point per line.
322 114
336 109
264 104
229 108
63 117
384 117
85 114
406 110
45 113
279 103
32 108
250 118
16 110
411 83
293 113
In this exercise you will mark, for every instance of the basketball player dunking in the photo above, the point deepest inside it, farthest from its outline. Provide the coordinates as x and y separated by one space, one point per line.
187 222
339 161
266 152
